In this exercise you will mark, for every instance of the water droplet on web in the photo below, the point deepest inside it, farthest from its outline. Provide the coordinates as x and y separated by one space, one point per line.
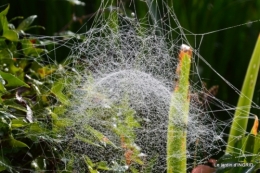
2 81
142 155
6 69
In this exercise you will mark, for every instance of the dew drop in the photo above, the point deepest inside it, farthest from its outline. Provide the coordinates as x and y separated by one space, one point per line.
2 81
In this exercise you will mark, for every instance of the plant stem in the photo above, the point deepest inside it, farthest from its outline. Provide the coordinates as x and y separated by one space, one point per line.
178 115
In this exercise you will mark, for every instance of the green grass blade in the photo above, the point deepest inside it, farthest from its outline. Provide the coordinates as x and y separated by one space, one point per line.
113 16
113 21
178 116
242 112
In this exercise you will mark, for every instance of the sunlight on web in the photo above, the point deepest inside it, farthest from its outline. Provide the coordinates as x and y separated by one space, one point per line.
139 64
130 70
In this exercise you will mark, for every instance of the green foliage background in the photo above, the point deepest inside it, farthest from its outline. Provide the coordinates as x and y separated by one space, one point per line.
227 51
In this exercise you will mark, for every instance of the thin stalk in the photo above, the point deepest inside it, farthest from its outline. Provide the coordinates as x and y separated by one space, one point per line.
113 19
239 124
178 115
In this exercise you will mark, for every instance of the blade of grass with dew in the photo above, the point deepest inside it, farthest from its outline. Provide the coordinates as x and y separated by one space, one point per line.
242 112
178 115
113 19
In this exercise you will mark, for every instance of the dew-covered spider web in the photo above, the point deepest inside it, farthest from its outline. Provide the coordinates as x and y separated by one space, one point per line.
119 78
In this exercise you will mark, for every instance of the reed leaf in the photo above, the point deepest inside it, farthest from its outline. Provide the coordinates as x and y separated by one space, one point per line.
239 124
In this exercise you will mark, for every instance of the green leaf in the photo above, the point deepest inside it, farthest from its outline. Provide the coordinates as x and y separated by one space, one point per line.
10 35
5 11
101 137
7 52
79 137
94 167
133 170
12 104
57 89
60 123
13 81
17 144
36 129
240 143
131 120
29 49
24 25
102 166
257 146
88 161
59 110
7 115
17 123
7 33
3 17
239 123
249 146
33 131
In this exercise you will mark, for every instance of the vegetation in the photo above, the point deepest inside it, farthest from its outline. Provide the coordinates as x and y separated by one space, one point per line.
36 129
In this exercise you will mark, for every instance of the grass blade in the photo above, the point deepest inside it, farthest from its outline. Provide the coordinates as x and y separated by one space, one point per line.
242 112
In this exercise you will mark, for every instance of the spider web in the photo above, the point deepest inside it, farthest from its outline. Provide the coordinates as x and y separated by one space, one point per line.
140 63
126 68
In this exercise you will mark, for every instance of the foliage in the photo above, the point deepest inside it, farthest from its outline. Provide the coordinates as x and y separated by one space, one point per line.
36 133
29 138
244 148
245 100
